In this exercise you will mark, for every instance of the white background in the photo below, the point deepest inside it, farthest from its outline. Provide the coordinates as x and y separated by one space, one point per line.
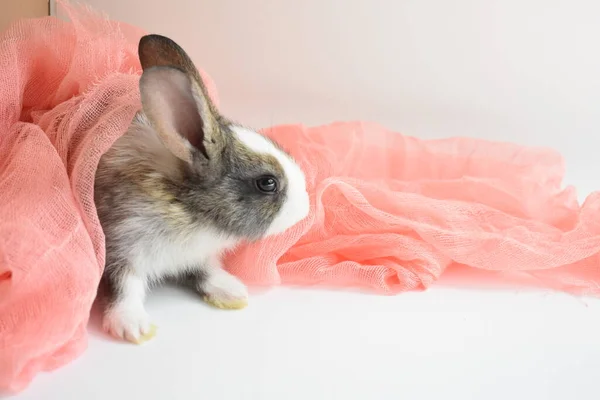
525 71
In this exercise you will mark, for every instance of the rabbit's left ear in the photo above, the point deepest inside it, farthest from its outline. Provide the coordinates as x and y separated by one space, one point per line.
175 99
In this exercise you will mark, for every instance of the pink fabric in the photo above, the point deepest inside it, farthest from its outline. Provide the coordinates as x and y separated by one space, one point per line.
389 212
68 90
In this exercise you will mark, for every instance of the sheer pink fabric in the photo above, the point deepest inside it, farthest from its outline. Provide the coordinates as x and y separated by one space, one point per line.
390 212
68 90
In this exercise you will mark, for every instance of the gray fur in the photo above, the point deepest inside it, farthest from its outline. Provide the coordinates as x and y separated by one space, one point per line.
146 194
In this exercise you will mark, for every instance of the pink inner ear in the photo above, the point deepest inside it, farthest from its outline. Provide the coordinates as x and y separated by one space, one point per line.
169 101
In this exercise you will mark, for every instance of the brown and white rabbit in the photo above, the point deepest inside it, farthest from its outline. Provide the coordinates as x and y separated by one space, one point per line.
180 187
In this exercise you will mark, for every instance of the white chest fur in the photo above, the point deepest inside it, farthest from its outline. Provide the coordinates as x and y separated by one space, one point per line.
157 257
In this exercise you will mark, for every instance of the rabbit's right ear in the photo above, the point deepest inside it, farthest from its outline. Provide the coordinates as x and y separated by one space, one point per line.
175 101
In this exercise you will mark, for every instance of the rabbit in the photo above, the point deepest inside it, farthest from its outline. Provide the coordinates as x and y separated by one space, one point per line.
182 186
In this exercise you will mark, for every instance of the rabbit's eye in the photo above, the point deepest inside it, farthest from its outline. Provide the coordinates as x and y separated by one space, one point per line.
267 184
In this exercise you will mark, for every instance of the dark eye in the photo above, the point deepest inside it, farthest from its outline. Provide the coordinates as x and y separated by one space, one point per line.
267 184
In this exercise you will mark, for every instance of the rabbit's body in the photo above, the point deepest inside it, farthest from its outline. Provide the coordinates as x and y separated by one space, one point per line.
142 222
179 188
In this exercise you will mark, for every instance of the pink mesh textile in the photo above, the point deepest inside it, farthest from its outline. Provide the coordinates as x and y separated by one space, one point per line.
67 90
390 212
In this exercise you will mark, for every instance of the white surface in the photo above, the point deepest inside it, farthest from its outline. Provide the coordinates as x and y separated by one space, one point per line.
446 343
524 71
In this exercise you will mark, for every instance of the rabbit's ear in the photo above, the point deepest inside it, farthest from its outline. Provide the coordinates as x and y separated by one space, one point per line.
175 101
